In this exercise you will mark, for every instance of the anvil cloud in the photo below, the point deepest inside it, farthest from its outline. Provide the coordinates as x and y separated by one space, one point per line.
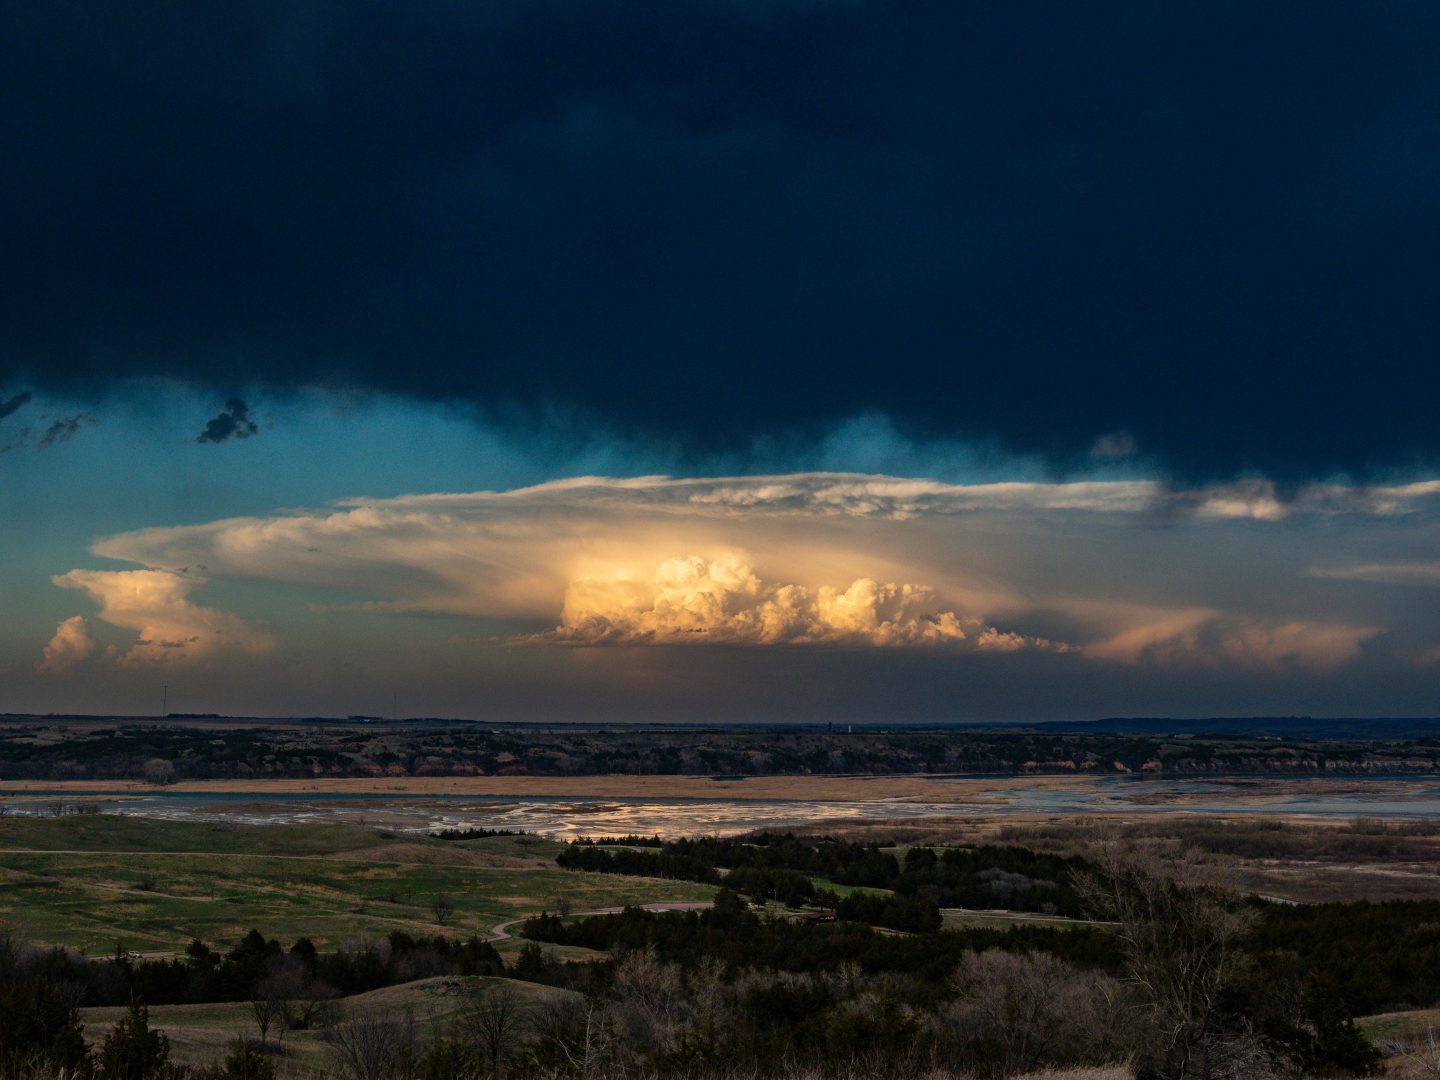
1113 572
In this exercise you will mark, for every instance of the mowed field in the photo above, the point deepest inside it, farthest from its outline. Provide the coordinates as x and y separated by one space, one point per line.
98 883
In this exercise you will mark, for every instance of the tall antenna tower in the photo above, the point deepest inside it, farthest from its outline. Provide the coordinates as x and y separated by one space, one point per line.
165 700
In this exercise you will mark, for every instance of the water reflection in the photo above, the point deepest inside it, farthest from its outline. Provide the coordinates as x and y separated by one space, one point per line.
567 817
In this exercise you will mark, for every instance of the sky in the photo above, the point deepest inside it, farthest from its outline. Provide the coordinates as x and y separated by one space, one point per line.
720 360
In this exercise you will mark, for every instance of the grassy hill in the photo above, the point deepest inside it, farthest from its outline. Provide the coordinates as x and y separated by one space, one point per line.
97 883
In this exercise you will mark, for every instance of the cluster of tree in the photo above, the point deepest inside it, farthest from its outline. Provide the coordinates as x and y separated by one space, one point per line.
1378 957
912 914
783 867
995 1015
760 879
992 876
41 1035
475 833
660 863
740 938
790 887
1207 1007
1177 982
628 840
203 975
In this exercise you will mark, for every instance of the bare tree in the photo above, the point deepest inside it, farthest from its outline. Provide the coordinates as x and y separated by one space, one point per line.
1422 1053
649 1001
303 1000
493 1024
579 1038
159 771
265 1006
317 1007
373 1046
1181 934
442 909
1032 1009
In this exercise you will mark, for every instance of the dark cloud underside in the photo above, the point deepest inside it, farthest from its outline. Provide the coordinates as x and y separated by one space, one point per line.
64 429
14 404
1208 226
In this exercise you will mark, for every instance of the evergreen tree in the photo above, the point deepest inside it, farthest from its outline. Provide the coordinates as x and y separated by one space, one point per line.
132 1051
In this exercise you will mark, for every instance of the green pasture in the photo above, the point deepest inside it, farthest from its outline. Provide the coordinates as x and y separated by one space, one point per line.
845 890
97 883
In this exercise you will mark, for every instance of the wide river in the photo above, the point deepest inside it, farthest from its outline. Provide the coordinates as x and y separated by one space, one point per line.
571 816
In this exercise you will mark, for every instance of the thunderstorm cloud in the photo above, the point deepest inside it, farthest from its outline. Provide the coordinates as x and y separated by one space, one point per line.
806 559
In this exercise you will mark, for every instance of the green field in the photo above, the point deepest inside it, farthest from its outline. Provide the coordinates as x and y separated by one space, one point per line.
97 883
845 890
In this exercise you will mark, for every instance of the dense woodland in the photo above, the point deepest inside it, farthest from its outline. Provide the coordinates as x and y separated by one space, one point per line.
43 749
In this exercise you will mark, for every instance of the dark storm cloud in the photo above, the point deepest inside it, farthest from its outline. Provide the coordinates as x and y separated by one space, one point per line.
1207 226
65 428
234 422
14 403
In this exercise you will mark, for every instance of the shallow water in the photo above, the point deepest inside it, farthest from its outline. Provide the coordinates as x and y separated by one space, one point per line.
571 816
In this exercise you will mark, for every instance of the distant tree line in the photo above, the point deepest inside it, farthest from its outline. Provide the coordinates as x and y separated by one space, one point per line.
474 833
204 975
163 753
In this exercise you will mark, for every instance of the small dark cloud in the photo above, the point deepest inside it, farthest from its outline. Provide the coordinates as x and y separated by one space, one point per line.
234 422
66 428
16 402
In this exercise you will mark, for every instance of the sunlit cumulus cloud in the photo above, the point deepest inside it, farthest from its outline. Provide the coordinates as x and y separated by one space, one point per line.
722 601
154 604
1121 572
71 645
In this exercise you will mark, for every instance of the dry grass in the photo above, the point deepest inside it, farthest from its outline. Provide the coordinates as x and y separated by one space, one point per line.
431 855
199 1033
